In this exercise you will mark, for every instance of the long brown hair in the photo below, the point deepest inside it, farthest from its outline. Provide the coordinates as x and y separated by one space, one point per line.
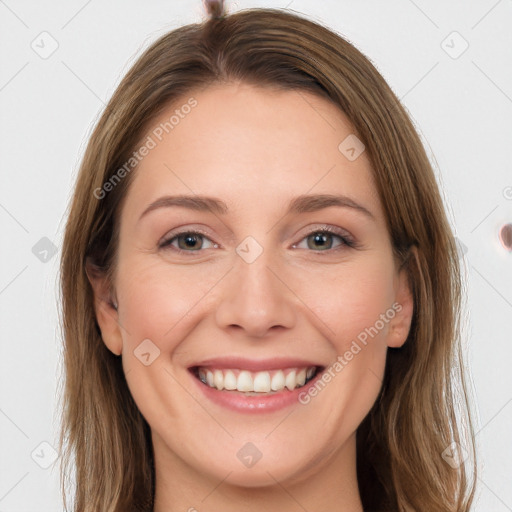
419 412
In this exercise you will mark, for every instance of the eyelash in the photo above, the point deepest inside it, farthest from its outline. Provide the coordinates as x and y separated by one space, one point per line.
346 241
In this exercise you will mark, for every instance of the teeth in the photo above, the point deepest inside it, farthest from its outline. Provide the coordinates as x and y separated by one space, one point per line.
259 382
290 381
277 381
218 379
262 382
229 380
244 382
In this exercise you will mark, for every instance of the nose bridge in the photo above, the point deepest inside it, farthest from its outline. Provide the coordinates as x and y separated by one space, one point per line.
256 280
254 299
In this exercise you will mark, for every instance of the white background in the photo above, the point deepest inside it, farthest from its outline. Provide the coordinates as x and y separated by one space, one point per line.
462 107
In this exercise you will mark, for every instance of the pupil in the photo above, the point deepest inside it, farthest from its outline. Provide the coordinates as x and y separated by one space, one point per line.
191 241
321 240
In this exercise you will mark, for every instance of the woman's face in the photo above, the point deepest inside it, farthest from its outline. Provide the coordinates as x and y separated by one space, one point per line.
275 261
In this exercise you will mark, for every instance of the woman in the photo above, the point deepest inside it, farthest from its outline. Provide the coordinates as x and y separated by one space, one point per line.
260 287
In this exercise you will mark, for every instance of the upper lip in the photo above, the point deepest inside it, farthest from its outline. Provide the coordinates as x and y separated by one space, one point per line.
254 365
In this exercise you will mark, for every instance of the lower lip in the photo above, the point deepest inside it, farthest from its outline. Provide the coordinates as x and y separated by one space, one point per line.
239 402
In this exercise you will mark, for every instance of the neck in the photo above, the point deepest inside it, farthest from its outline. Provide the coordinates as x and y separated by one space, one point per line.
329 485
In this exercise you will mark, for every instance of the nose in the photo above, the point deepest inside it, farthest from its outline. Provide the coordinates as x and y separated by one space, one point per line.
256 300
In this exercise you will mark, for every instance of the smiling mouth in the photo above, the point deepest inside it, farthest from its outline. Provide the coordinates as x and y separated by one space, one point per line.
251 383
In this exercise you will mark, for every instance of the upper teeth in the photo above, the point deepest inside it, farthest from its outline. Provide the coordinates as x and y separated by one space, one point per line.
262 382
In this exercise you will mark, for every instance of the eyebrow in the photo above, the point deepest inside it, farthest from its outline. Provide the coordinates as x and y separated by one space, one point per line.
300 204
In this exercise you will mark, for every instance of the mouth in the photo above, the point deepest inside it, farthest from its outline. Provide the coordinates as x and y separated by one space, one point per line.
256 383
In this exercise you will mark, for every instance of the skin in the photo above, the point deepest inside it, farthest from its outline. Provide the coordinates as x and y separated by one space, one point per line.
256 149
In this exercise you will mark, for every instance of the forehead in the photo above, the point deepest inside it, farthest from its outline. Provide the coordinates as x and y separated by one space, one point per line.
246 144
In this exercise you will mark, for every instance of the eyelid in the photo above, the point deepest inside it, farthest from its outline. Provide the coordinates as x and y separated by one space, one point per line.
316 228
186 230
347 239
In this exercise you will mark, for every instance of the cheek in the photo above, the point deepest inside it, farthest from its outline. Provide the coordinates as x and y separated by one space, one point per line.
355 304
357 308
161 305
159 301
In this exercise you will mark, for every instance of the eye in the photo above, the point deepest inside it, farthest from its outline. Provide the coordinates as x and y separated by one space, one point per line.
188 241
324 240
320 240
